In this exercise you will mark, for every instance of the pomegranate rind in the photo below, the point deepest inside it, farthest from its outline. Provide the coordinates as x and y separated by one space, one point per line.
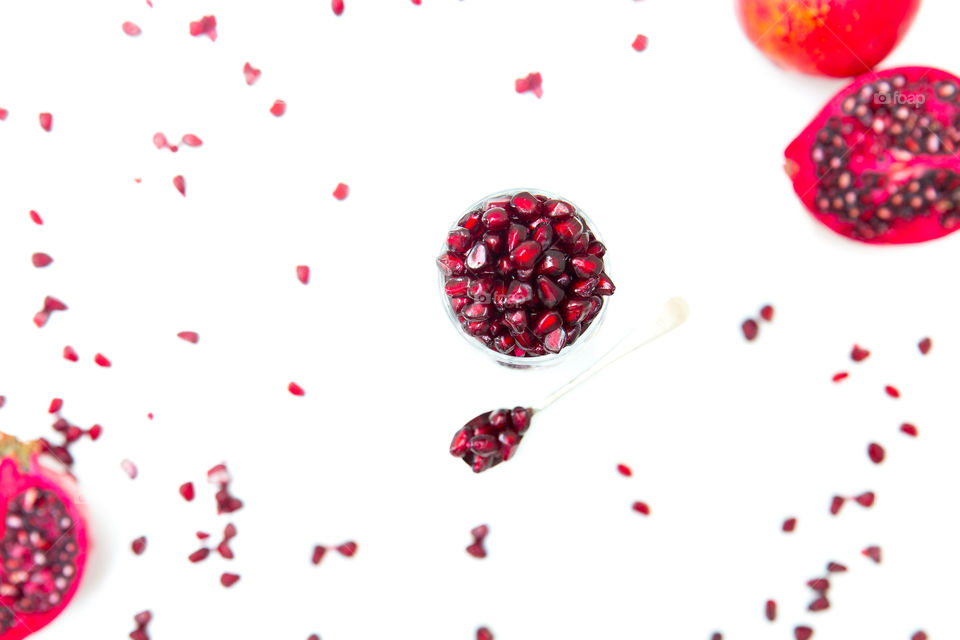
869 154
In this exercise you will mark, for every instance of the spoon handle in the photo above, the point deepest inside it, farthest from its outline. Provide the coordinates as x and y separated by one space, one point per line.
673 314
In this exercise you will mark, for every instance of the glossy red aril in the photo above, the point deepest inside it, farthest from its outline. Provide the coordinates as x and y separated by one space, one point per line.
43 540
879 163
491 438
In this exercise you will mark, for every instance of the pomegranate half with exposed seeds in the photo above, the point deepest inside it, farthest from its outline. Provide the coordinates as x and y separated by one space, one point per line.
43 540
828 37
879 163
523 274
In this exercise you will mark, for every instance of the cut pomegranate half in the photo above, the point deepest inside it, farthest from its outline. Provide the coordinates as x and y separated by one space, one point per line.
879 163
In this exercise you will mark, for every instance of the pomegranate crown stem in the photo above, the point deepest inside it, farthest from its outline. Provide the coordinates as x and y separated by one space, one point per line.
22 452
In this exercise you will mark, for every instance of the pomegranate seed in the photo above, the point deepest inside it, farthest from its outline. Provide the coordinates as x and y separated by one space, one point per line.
250 74
872 552
139 545
892 391
187 491
95 432
70 354
641 507
207 25
131 29
348 549
866 499
199 555
52 304
919 635
318 552
191 140
159 140
3 401
35 217
716 636
55 405
480 532
101 360
750 329
925 345
836 567
909 429
836 504
820 585
303 273
229 579
476 550
3 114
225 551
295 389
484 634
802 633
279 108
767 313
142 619
129 468
40 260
181 185
189 336
532 83
770 610
549 292
46 121
876 453
624 470
337 6
341 192
789 525
843 375
819 604
640 43
859 354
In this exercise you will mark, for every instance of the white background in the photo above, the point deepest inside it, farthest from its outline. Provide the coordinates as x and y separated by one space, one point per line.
675 152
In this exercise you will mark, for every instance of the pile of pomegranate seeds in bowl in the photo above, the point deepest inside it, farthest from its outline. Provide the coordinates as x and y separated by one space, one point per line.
522 277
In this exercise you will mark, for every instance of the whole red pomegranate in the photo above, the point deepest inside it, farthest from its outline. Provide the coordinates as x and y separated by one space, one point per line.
827 37
43 540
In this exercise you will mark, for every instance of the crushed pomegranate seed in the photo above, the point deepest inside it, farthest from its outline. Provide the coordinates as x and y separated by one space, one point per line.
866 499
337 6
859 354
191 140
46 121
624 470
187 491
640 43
909 429
40 260
189 336
70 354
295 389
802 633
279 108
892 391
876 453
348 549
789 525
55 405
843 375
207 25
129 468
303 273
919 635
835 567
35 217
770 610
767 313
199 555
102 360
819 604
139 545
341 192
532 83
318 552
872 552
641 507
925 345
836 504
484 633
229 579
250 73
131 29
750 329
142 619
181 185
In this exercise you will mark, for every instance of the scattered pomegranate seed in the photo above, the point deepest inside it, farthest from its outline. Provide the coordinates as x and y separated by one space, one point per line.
295 389
199 555
892 391
750 329
224 549
640 43
341 192
770 610
202 535
820 585
532 83
187 491
909 429
479 533
142 619
835 567
717 636
129 468
250 73
150 416
131 29
919 635
181 185
802 633
102 360
218 474
35 217
279 108
52 304
819 604
40 259
925 345
3 401
872 552
767 313
337 6
303 273
95 432
229 579
789 525
836 504
159 140
139 545
876 453
189 336
641 507
866 499
313 636
484 634
3 114
318 552
624 470
348 549
859 354
191 140
207 25
55 405
843 375
46 121
70 354
416 2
